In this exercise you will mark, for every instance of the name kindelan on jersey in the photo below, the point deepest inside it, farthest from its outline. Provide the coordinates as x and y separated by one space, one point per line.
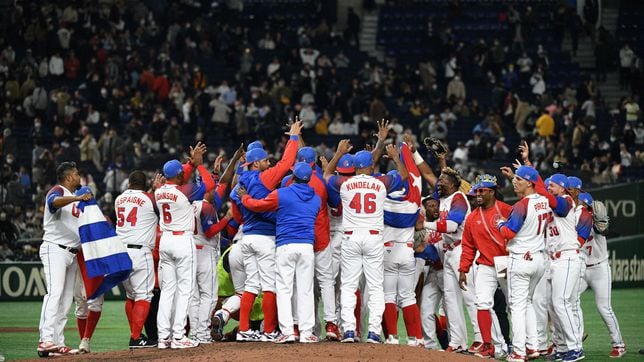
363 185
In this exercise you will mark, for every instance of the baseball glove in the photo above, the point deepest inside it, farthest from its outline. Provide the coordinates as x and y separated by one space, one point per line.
435 146
600 216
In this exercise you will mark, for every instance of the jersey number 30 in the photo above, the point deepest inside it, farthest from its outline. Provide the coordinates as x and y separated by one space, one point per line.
131 217
368 205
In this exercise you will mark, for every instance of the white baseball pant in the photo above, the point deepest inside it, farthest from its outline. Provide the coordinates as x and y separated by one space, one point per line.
524 273
258 253
60 268
541 305
486 284
565 279
400 268
205 295
325 279
140 284
598 278
362 252
454 298
336 250
431 298
291 260
238 276
178 272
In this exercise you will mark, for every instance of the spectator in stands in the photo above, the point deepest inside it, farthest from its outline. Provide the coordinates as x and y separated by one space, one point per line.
438 128
538 83
626 57
352 32
456 89
545 125
632 110
56 65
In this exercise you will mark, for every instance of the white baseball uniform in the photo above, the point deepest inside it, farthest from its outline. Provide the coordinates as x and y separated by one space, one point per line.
432 293
61 242
524 229
363 198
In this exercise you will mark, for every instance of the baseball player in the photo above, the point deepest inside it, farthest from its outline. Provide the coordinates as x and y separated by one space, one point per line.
324 275
454 208
176 249
207 245
480 234
363 198
298 209
523 232
432 293
258 242
584 224
565 267
401 211
61 242
136 226
598 272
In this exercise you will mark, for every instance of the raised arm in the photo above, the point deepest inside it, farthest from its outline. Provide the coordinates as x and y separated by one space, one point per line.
270 203
394 154
383 131
272 176
343 147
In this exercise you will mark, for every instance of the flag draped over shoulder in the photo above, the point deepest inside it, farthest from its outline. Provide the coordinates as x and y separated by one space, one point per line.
104 262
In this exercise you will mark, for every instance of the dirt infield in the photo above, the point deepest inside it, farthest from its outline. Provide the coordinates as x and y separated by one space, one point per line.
324 351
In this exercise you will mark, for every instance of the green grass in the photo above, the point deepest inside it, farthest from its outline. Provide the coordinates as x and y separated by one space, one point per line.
112 332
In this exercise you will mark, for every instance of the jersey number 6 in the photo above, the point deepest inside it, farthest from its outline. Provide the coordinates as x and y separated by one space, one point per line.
167 216
368 205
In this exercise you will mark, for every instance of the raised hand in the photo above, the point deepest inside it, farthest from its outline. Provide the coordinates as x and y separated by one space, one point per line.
217 167
516 164
368 147
85 197
507 172
525 151
196 154
344 146
158 181
409 141
383 130
239 153
324 162
296 127
392 151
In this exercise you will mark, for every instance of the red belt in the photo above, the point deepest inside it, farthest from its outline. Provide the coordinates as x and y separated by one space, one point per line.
199 247
391 243
452 245
372 232
178 232
557 255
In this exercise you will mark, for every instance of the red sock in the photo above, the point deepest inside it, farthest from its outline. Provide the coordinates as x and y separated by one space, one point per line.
139 315
246 305
129 304
269 306
390 318
442 320
92 321
80 323
485 325
411 315
356 311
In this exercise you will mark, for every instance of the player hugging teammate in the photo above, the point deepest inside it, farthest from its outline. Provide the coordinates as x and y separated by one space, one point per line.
305 231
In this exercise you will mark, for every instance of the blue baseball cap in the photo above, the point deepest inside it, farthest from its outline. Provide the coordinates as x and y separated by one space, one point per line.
83 190
586 198
485 181
546 181
560 180
307 154
472 191
574 182
253 145
302 171
345 164
172 168
528 173
363 159
254 155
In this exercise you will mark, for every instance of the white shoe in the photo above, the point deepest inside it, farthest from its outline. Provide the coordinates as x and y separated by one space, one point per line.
309 339
182 343
83 347
164 344
285 339
392 339
204 340
413 342
247 336
270 337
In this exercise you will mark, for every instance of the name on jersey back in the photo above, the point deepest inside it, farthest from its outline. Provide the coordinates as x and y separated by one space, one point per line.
541 206
166 196
130 200
363 185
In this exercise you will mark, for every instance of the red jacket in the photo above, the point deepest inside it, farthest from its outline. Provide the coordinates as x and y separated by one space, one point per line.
487 240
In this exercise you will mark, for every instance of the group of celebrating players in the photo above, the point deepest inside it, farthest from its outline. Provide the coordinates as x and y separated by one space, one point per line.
342 234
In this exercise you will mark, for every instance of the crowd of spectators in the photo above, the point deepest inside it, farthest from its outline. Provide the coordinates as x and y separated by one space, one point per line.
118 86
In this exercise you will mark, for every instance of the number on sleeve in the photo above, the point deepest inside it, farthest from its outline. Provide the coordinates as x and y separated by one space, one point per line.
167 216
368 202
590 249
131 216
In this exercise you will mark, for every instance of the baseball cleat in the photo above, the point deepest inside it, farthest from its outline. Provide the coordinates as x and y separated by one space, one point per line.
183 343
204 340
270 337
164 344
141 342
309 339
531 354
373 338
217 327
475 347
415 342
617 352
84 346
63 351
332 332
574 355
45 347
515 357
392 339
285 339
247 336
349 337
485 351
451 349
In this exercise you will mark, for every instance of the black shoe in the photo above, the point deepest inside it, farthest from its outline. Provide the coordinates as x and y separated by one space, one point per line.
142 342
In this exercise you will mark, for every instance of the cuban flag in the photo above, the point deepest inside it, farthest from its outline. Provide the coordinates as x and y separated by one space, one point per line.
402 207
104 262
